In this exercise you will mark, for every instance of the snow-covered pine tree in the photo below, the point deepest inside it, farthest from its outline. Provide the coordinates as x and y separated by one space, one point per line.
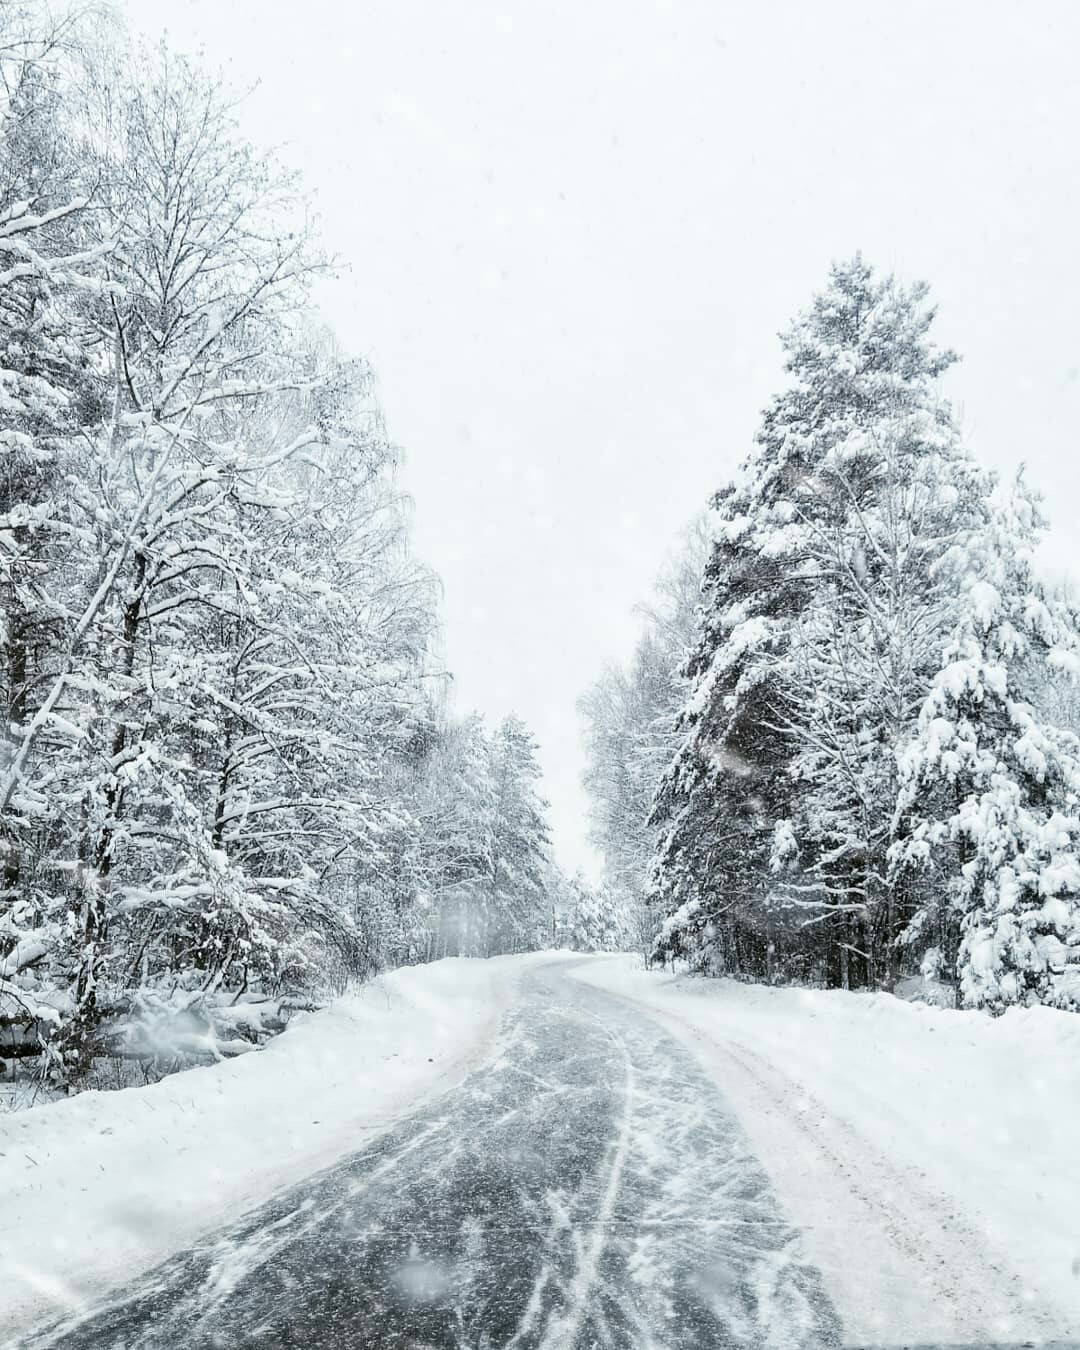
454 837
594 919
864 370
515 912
989 807
629 717
859 663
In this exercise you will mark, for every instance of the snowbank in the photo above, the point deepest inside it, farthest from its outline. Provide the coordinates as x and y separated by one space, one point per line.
96 1188
919 1149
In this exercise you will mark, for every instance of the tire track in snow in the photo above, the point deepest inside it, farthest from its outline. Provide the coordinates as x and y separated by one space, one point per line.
231 1260
564 1328
915 1217
970 1296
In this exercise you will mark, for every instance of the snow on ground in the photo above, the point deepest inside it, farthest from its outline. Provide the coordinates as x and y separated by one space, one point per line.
928 1156
931 1157
100 1186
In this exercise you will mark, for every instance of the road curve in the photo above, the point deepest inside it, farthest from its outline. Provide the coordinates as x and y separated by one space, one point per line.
587 1187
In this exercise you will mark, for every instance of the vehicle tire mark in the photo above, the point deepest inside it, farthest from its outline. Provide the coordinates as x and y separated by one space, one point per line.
563 1329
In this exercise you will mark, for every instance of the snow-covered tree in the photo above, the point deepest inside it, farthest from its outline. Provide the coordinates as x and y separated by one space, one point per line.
193 327
806 663
857 667
47 402
478 841
229 771
845 801
454 842
594 917
990 791
515 909
629 717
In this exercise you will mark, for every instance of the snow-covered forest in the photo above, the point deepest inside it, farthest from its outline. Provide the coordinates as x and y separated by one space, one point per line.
844 751
540 776
231 782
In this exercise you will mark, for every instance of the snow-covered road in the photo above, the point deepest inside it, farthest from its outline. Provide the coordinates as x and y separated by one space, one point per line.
587 1186
642 1163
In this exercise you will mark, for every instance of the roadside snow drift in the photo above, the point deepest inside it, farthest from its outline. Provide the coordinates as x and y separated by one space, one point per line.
98 1187
930 1157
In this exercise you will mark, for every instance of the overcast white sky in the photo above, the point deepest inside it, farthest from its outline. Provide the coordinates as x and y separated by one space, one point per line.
575 229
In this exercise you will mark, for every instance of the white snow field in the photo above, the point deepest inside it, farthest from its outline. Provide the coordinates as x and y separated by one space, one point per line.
931 1157
100 1186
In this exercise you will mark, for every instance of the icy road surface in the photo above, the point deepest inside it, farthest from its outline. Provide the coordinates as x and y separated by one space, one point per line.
586 1187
